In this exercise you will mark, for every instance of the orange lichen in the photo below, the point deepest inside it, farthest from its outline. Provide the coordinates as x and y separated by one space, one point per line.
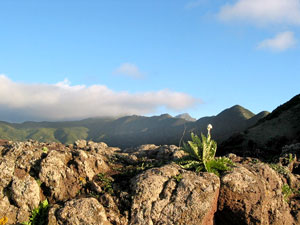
3 220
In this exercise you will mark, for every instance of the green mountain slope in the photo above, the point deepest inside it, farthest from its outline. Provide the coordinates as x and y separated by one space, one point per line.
131 130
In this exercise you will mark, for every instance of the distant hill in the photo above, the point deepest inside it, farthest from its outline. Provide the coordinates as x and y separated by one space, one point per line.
185 116
134 130
228 122
270 133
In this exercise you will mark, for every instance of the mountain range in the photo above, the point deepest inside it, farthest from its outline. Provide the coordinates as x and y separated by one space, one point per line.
131 131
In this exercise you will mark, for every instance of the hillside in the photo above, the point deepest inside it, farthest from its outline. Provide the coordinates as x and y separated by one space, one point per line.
270 134
132 130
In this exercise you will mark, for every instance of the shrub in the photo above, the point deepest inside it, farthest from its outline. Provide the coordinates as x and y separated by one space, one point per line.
286 191
279 169
106 183
201 155
39 215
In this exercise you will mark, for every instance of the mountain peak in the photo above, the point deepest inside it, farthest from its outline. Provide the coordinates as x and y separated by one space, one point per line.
237 111
165 115
185 116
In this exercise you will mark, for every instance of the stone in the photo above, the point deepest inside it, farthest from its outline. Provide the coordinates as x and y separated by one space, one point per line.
80 144
170 195
7 168
90 163
252 195
8 210
61 180
84 211
25 192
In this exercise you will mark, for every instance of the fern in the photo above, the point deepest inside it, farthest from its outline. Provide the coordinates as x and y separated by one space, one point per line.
201 155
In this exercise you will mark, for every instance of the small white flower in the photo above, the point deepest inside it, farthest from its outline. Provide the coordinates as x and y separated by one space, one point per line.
209 127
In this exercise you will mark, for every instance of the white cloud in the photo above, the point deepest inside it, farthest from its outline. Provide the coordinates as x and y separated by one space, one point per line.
263 11
280 42
130 70
61 101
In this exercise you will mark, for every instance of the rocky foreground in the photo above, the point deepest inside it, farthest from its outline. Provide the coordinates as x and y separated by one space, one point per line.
91 183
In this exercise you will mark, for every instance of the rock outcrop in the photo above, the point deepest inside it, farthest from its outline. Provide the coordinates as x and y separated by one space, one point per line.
253 195
91 183
170 195
83 211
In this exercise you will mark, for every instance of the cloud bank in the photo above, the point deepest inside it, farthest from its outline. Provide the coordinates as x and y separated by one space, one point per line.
61 101
263 11
129 70
280 42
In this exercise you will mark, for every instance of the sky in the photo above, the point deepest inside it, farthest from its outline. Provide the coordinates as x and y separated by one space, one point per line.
73 59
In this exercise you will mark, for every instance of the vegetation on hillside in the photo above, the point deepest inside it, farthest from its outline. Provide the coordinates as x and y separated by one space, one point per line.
129 131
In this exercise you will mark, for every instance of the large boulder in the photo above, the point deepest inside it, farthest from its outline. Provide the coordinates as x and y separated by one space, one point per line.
88 164
84 211
25 192
8 210
252 194
62 172
60 180
7 168
170 195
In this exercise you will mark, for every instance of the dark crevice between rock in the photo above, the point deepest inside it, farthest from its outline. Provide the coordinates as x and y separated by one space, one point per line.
7 148
296 169
120 193
162 193
8 192
172 197
36 167
174 193
228 217
123 193
72 163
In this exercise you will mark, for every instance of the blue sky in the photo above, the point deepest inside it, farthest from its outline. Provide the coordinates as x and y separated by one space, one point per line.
146 57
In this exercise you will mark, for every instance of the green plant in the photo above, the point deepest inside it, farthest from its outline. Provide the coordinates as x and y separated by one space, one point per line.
286 191
201 155
291 158
178 177
39 215
255 161
39 182
45 149
279 169
106 183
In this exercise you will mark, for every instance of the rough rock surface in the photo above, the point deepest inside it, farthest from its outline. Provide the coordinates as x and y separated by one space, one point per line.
31 171
160 198
92 183
253 195
84 211
58 177
25 192
151 152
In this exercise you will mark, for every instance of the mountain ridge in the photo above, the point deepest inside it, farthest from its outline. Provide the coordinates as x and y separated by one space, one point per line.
270 133
129 131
